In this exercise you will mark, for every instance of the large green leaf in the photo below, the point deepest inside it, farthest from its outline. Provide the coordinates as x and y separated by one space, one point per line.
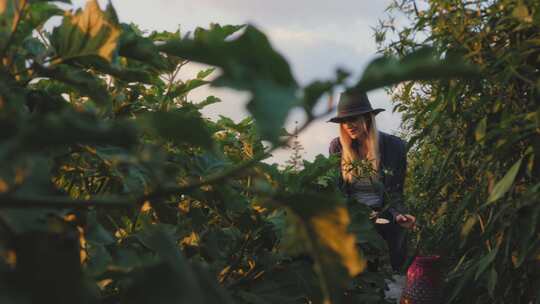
69 127
316 89
485 261
173 280
249 63
34 17
181 126
134 46
505 183
90 32
422 64
86 83
325 227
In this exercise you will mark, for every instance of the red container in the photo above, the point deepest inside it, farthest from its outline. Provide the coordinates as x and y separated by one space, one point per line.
424 281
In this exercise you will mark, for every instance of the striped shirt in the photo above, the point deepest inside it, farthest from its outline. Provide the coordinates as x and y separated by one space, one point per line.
365 192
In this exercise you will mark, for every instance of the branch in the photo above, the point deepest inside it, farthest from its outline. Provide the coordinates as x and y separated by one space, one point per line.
25 201
20 16
20 201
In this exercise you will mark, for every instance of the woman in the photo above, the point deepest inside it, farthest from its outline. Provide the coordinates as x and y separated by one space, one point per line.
377 183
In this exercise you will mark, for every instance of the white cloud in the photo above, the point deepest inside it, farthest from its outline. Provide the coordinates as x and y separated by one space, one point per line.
315 36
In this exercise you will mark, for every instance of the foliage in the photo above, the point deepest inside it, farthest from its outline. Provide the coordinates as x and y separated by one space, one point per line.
295 160
115 189
474 144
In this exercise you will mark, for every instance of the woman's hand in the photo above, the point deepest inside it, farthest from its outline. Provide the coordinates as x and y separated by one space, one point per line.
406 221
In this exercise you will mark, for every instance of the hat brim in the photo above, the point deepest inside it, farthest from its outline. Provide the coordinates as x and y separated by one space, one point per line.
339 119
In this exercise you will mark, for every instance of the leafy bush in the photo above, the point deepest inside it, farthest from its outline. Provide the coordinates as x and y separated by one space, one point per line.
115 189
474 158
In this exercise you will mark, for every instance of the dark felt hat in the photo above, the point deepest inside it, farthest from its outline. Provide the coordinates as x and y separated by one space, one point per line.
353 104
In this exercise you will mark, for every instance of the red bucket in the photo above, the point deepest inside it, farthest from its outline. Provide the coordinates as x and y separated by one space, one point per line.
424 281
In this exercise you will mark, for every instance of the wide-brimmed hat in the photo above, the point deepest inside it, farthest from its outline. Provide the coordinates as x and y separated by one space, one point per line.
353 104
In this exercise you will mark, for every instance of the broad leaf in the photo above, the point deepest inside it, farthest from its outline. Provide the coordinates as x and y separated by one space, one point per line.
90 32
10 14
485 261
86 83
328 240
419 65
505 183
134 46
35 16
68 128
181 126
315 90
249 63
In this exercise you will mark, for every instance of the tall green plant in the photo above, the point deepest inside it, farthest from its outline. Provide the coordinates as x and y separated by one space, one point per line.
115 189
474 144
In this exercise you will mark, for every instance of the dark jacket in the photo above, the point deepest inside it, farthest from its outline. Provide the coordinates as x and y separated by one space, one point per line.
392 171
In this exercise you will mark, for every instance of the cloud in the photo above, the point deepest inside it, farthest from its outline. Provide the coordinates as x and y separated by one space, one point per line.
315 36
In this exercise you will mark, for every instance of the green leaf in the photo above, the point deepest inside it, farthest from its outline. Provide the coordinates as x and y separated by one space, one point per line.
205 73
68 127
35 16
328 239
284 285
181 126
419 65
132 45
216 33
173 280
38 182
505 183
210 100
248 63
363 228
270 106
10 14
492 281
480 131
315 90
485 261
186 87
86 83
33 46
90 32
122 73
95 232
463 281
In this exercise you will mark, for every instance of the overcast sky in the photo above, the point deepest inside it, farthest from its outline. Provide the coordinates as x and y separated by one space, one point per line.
315 36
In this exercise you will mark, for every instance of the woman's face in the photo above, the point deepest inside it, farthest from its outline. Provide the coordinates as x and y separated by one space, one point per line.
356 127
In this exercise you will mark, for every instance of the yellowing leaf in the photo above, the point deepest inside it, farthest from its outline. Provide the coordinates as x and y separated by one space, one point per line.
4 187
326 236
467 227
89 32
505 183
521 12
331 232
480 132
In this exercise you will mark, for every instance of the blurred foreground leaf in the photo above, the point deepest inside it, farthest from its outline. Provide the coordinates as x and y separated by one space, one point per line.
90 32
249 63
328 240
422 64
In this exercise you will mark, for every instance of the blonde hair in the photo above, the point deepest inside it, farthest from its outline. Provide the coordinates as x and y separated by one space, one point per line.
350 155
